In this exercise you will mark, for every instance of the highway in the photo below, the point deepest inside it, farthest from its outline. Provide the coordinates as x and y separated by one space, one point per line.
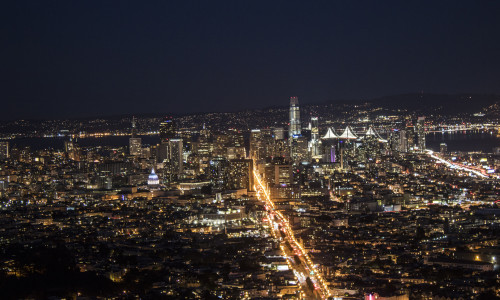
475 170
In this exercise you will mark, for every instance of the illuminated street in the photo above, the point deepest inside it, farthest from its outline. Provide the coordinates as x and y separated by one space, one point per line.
307 266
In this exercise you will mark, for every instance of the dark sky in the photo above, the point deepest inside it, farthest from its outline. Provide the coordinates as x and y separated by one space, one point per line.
84 58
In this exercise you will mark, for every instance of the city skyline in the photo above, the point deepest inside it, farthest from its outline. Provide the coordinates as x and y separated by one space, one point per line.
278 150
356 202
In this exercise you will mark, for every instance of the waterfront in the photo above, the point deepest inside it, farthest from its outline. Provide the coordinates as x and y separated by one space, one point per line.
456 141
463 141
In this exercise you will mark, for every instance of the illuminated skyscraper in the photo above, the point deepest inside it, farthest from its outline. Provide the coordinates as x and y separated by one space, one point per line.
314 128
299 150
167 130
255 143
71 149
421 133
135 143
176 156
315 143
403 141
294 127
240 174
218 170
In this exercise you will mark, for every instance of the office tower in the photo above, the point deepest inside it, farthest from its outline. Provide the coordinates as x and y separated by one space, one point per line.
135 143
394 140
403 141
283 174
221 142
167 130
443 148
135 146
240 174
235 148
299 150
261 143
279 133
71 149
294 127
281 148
314 128
255 143
235 152
218 171
175 159
421 133
4 150
315 144
105 180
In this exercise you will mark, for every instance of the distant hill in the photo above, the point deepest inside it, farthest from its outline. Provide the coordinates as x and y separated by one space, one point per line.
438 103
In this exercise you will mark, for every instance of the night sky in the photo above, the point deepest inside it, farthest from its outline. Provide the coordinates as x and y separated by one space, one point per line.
63 59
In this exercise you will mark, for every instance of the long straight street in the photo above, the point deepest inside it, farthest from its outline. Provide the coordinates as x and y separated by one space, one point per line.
305 268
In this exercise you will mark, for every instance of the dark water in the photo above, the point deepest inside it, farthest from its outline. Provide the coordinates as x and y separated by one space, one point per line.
38 143
460 141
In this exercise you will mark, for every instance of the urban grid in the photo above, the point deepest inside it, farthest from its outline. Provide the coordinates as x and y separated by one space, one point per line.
263 150
297 208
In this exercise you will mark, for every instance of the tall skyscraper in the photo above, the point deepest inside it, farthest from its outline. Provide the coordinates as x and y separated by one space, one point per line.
71 149
421 133
314 128
176 156
294 127
255 143
167 130
218 169
403 141
135 143
315 143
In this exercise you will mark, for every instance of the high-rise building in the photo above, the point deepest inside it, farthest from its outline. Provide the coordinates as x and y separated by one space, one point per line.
71 149
314 128
167 130
255 143
135 143
283 174
403 141
294 127
4 150
315 144
279 133
135 146
240 174
299 150
421 133
218 170
175 159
